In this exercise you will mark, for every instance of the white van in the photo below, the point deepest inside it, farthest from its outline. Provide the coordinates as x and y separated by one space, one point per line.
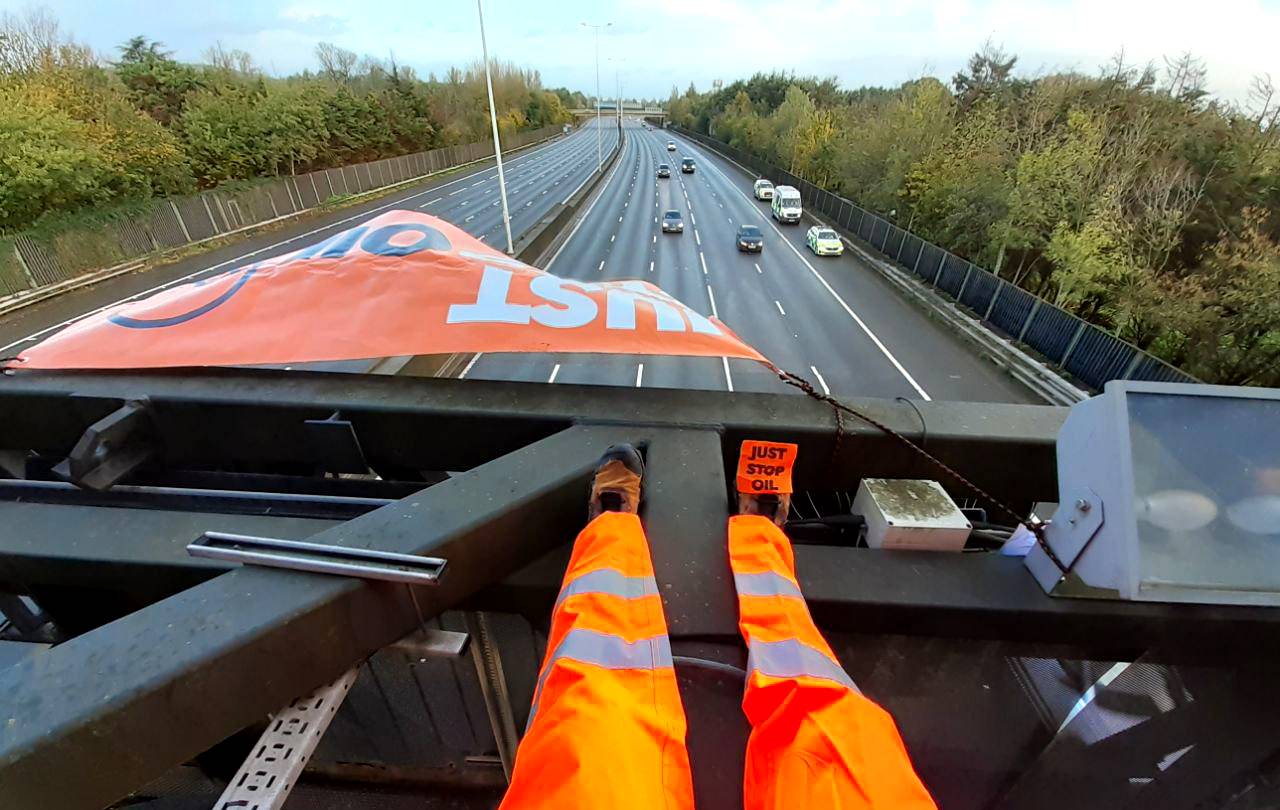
786 204
763 189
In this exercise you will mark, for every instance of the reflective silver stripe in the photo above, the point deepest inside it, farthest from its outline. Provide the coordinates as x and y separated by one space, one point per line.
607 580
791 658
614 652
608 651
766 583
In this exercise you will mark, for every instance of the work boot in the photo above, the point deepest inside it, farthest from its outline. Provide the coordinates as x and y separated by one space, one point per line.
774 506
616 485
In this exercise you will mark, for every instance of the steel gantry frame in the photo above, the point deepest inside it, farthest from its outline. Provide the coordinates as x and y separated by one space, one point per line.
168 654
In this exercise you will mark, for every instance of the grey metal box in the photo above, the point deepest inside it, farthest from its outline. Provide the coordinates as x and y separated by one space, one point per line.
910 514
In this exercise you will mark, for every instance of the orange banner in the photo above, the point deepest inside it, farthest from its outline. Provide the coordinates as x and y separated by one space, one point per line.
402 283
765 467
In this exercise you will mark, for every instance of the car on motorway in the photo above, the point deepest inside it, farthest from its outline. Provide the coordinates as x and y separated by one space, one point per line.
785 204
824 241
763 189
664 170
750 239
671 146
686 166
672 222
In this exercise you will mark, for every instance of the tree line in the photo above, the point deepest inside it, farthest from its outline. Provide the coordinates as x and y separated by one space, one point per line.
79 131
1129 197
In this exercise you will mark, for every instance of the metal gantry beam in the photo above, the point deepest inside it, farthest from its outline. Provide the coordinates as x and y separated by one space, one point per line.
259 416
149 691
225 645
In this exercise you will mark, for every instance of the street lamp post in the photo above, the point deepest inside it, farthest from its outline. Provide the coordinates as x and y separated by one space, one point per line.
497 144
617 85
599 146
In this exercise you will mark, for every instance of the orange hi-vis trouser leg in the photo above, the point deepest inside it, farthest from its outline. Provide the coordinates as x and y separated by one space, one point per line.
815 740
607 728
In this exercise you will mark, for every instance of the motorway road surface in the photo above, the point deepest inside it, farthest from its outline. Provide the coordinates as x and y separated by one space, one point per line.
537 178
831 320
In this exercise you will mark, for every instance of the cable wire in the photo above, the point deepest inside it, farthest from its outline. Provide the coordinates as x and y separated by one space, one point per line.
1035 525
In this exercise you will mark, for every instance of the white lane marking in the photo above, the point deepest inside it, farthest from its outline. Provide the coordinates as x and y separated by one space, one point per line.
728 378
459 191
467 370
466 202
821 381
712 296
611 238
601 267
619 219
655 239
585 215
758 270
639 374
699 238
703 259
655 220
468 219
693 219
848 310
554 372
650 267
432 202
778 304
481 183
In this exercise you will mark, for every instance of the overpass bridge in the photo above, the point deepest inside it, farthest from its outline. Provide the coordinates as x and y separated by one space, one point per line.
654 115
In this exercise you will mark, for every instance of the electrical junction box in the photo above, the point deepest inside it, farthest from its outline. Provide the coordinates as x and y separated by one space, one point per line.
909 514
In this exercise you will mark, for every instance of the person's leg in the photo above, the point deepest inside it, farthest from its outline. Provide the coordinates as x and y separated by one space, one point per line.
607 728
816 741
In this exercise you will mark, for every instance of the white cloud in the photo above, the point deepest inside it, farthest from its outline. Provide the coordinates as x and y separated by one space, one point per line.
859 41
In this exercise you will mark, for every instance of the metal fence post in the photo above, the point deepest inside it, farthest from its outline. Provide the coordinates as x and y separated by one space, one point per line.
275 212
919 256
1072 345
314 189
902 243
1133 363
181 224
963 283
26 271
937 274
204 198
999 288
217 198
1031 314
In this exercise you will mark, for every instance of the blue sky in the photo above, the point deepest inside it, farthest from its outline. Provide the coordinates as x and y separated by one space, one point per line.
658 43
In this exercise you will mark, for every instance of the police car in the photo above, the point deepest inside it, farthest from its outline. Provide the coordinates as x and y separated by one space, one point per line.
824 241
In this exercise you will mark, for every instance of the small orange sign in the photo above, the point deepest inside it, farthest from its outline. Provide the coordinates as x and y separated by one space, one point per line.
765 467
